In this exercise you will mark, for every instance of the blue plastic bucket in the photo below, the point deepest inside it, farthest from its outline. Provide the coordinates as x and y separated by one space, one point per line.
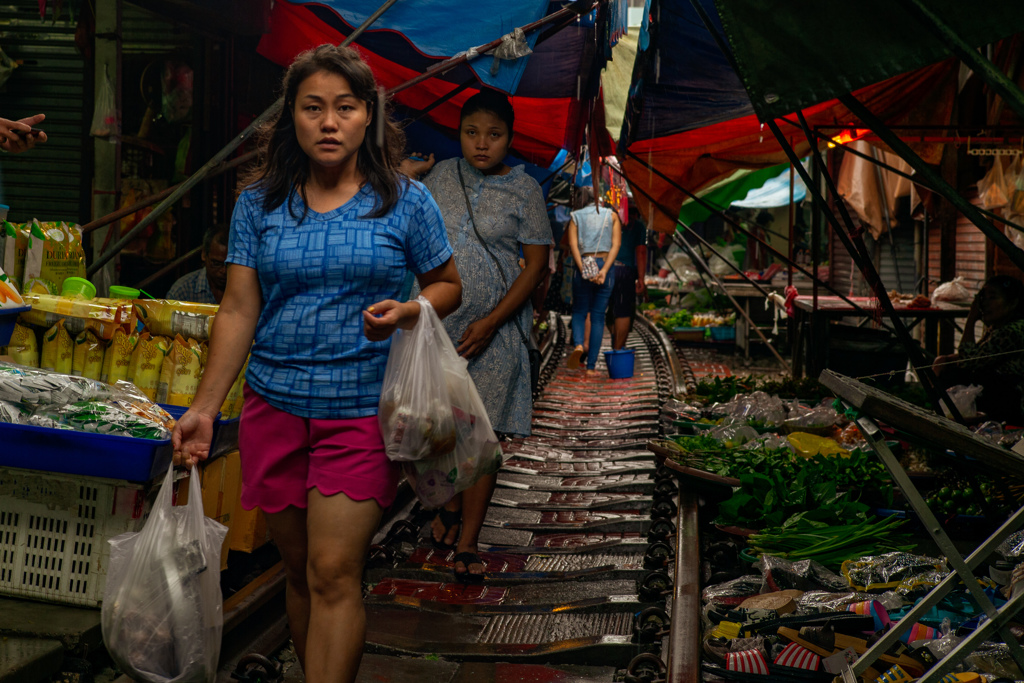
620 363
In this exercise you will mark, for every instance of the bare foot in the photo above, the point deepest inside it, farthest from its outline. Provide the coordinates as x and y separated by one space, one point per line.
444 528
471 567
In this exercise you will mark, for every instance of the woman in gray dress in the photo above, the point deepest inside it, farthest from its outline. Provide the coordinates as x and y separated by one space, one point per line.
490 328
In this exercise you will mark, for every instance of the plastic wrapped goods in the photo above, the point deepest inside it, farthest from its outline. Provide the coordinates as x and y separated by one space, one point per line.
98 417
54 254
180 373
31 388
102 316
24 347
147 362
118 357
15 244
175 318
88 356
58 350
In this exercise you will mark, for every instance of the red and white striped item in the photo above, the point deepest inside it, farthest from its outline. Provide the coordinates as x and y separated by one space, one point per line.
747 661
798 657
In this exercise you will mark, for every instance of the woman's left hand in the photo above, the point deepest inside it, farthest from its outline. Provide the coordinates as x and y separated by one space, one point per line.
476 338
600 277
382 319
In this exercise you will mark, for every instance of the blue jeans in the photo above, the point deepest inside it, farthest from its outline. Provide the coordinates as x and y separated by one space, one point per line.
591 298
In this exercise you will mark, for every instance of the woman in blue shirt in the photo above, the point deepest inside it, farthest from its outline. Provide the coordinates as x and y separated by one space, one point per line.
321 240
594 231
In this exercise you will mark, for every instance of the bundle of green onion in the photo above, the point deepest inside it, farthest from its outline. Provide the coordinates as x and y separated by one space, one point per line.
801 538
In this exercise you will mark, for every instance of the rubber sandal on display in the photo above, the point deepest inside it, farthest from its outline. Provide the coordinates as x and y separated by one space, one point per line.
448 518
467 576
574 358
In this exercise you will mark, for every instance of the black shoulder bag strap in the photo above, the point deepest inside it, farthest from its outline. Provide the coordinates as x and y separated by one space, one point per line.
531 348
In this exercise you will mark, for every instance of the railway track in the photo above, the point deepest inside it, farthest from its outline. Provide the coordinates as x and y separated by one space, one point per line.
590 551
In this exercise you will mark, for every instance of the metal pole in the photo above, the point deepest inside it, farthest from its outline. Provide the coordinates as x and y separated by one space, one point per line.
988 71
934 179
220 156
792 224
169 267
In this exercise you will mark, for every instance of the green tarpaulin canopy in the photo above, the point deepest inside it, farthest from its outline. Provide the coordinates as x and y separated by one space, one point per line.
721 196
792 54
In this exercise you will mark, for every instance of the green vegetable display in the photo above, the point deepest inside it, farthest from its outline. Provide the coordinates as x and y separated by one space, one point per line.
804 537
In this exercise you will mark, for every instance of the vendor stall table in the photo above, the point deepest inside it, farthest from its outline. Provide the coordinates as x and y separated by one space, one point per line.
744 293
945 434
811 338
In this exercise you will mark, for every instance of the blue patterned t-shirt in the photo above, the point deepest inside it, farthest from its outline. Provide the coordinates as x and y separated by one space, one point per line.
310 357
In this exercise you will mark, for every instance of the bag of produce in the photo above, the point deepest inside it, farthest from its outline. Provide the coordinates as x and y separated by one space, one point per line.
15 244
54 254
24 348
58 350
88 356
415 411
476 451
118 357
162 604
180 373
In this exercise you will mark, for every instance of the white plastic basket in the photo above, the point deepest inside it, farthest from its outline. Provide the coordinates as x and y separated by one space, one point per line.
54 530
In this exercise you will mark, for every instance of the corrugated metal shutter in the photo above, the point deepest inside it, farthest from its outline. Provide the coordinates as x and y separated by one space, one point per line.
52 181
148 33
971 262
843 266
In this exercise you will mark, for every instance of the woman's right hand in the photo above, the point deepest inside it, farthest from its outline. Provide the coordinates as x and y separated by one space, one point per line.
414 168
599 278
191 438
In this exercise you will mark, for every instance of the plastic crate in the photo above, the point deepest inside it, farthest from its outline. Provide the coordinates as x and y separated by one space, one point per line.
688 334
723 333
83 453
54 530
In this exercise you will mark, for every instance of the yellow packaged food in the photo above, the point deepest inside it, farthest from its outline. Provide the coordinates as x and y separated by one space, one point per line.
58 350
102 316
147 362
88 356
15 244
24 348
180 373
118 357
54 254
171 318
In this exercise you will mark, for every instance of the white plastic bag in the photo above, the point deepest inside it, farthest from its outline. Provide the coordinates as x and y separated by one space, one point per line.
162 603
964 398
415 414
954 290
476 451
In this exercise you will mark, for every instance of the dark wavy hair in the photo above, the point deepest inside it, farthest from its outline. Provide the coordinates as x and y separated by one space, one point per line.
283 166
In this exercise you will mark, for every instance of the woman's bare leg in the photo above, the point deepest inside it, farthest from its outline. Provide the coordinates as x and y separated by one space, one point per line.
288 529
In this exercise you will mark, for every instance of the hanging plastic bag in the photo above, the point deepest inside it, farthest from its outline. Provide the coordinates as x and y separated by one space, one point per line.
415 412
992 188
476 451
162 606
105 120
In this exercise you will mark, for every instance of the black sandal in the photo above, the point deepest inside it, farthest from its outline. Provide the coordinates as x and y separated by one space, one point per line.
449 518
467 576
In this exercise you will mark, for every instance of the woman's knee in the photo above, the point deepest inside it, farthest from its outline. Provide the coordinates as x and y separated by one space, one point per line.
333 578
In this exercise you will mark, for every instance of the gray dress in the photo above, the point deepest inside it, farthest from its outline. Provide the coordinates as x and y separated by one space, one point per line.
509 211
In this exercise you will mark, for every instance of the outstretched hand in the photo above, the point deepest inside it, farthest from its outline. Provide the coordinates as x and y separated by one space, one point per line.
416 167
18 136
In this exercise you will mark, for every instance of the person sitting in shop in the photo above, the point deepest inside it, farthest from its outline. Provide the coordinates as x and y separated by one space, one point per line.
206 285
996 361
21 136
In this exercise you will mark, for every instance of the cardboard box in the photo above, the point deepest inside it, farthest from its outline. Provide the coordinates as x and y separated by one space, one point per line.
248 527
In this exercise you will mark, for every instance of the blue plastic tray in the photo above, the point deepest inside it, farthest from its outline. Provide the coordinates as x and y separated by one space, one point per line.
84 453
8 317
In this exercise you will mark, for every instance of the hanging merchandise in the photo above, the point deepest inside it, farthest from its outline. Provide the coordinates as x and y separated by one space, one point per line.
105 120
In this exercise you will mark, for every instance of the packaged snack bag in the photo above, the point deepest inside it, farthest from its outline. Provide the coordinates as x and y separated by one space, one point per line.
170 318
24 348
88 356
58 350
118 357
147 362
180 373
15 241
54 254
232 406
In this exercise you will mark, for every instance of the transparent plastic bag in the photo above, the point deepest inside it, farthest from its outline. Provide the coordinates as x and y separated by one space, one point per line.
965 399
415 412
903 572
806 575
476 451
954 290
162 605
757 408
